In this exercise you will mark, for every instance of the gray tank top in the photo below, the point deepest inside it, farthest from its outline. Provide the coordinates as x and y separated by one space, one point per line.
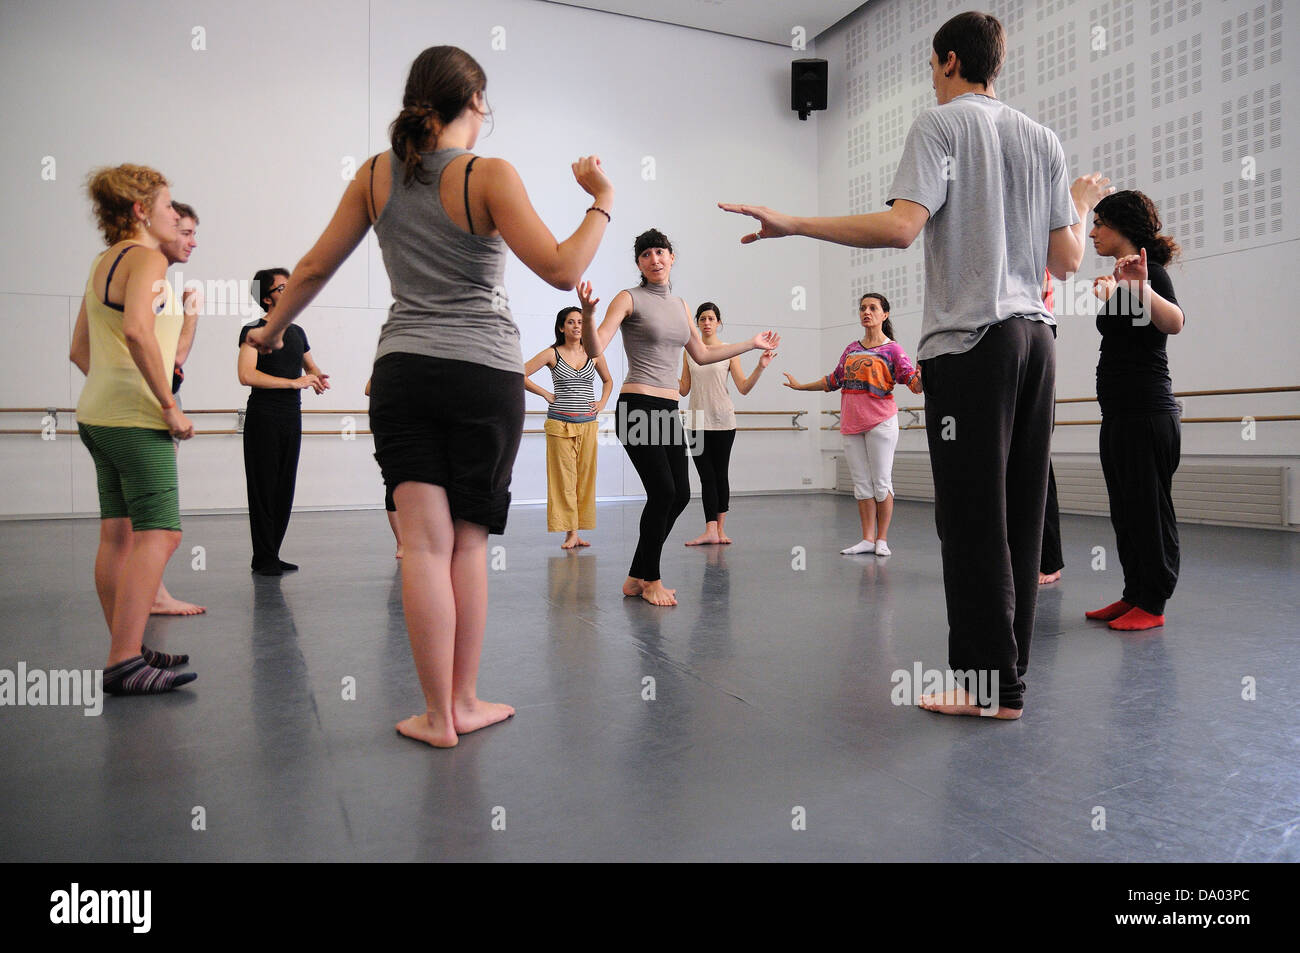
653 337
449 296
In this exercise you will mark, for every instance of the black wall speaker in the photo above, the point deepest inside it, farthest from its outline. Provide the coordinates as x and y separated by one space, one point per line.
807 86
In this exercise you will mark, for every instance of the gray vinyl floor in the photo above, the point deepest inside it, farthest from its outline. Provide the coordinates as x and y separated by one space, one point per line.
771 706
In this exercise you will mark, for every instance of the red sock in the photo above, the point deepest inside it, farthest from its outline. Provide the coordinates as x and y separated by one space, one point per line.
1112 611
1137 619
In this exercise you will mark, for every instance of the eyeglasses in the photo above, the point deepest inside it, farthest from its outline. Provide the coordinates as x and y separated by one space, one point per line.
276 288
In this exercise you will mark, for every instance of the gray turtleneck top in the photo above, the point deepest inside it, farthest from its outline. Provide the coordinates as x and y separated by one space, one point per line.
654 335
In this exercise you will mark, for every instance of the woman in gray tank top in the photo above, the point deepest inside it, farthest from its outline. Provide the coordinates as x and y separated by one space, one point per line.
655 326
447 390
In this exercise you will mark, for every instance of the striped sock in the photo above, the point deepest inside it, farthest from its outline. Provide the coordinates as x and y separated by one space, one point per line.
137 677
162 659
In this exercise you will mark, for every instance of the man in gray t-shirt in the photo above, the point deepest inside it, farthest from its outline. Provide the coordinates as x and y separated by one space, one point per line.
987 184
994 184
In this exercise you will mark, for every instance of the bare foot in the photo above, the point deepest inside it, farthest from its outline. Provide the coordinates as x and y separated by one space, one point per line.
170 605
723 538
475 714
957 702
573 541
423 728
655 594
1046 579
705 539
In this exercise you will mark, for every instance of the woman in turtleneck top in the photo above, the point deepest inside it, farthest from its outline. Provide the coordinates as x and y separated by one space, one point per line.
655 326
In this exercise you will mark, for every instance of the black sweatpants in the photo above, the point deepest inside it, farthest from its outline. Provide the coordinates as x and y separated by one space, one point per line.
1138 458
711 463
1051 559
988 419
272 440
650 430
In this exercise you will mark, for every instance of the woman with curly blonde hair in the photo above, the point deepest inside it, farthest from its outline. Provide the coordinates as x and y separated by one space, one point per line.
125 343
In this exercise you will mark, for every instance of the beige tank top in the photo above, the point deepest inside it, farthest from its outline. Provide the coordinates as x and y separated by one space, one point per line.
710 407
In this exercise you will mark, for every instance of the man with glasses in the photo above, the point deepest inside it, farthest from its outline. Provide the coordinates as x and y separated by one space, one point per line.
273 424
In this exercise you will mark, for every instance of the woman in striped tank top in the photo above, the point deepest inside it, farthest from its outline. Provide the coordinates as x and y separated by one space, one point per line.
570 427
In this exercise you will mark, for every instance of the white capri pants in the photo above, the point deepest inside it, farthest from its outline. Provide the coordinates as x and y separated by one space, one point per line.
870 457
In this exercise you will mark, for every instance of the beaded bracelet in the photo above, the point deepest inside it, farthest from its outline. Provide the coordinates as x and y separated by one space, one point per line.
597 208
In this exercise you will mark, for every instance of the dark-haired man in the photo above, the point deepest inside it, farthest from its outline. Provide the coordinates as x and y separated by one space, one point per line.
989 187
273 425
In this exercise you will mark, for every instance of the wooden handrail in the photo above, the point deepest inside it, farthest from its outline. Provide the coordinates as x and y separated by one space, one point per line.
1224 392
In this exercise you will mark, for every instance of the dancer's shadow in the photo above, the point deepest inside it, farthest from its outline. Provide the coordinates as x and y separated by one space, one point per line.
278 675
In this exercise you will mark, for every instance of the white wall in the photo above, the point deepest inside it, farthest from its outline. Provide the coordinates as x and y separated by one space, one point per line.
255 132
1159 110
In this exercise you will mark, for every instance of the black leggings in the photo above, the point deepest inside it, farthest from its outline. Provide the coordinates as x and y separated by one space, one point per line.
712 458
650 430
1051 561
1138 458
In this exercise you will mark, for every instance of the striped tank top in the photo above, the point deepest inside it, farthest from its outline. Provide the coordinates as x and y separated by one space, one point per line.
574 391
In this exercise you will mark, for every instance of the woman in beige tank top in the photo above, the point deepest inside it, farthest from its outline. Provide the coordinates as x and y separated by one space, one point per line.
711 422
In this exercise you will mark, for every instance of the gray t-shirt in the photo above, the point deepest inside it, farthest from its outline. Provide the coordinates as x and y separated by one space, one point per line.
995 184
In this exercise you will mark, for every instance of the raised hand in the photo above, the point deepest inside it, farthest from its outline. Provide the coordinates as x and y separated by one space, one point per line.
773 224
587 299
1088 190
1103 286
766 358
791 382
1132 267
591 177
767 341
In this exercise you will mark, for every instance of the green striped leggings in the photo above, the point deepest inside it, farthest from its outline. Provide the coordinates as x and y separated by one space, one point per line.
136 472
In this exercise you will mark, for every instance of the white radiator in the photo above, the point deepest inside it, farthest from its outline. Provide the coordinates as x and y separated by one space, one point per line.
1223 494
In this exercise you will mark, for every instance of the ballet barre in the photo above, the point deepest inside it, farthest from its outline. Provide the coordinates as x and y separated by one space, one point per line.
53 414
916 412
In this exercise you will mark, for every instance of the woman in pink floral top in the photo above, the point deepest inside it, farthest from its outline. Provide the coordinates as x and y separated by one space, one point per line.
865 377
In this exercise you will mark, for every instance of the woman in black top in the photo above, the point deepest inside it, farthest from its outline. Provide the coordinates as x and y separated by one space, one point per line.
1140 433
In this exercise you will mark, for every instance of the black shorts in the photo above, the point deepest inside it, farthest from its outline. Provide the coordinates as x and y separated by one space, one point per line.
453 424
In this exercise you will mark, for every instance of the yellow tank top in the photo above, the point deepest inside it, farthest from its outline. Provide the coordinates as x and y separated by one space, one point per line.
115 393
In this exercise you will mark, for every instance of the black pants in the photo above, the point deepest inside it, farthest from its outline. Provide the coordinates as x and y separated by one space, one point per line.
1138 458
711 463
1051 560
272 440
650 430
988 419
